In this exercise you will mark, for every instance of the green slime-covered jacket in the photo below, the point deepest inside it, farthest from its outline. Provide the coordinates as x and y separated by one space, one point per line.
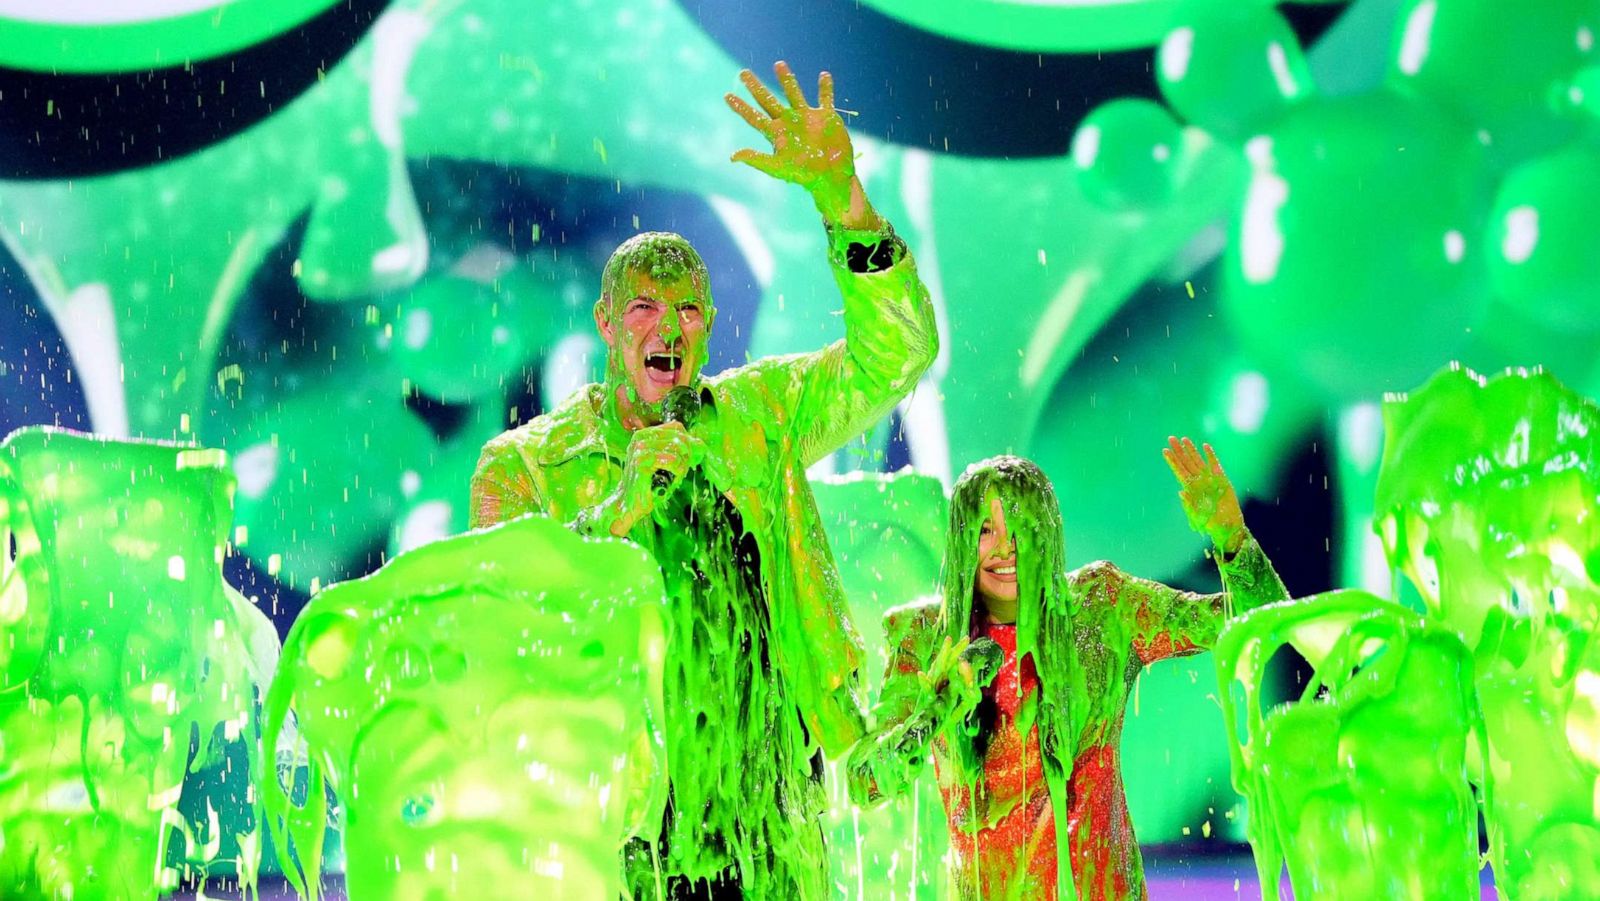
764 424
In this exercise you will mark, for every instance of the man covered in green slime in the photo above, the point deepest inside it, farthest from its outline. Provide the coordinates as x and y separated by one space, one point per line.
1029 766
762 661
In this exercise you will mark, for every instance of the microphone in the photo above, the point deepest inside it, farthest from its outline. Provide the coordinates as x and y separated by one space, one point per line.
681 405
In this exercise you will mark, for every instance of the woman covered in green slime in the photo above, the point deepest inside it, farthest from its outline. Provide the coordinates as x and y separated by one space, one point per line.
1039 745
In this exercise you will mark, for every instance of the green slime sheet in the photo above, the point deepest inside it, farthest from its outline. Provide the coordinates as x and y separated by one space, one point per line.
1489 501
1361 785
126 665
482 706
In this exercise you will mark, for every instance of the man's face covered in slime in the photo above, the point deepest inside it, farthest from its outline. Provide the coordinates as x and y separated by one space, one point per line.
655 315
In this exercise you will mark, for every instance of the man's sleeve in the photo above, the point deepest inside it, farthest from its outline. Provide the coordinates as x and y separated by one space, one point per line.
887 760
890 341
502 487
1168 622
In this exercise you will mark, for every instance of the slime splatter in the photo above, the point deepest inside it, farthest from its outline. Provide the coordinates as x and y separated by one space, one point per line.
484 708
1489 501
127 665
1051 756
1362 784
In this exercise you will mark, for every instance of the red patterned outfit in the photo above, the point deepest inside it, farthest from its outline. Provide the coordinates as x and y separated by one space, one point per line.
1003 827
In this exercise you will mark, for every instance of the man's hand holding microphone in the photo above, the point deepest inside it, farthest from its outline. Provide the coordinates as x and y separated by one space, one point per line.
659 456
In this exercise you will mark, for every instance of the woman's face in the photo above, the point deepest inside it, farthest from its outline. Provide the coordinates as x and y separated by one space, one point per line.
997 556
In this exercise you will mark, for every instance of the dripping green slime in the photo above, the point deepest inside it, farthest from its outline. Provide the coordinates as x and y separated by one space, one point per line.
119 640
1489 502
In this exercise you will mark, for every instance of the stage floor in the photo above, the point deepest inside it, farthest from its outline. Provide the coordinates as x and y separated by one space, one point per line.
1170 877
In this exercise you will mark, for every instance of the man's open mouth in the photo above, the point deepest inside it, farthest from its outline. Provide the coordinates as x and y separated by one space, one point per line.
663 367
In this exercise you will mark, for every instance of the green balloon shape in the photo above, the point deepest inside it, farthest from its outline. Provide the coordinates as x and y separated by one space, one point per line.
321 476
1544 240
1353 262
1501 67
458 339
1127 153
1231 69
1583 96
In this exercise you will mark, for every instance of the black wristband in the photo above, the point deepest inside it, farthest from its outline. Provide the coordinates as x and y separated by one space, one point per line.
864 258
864 251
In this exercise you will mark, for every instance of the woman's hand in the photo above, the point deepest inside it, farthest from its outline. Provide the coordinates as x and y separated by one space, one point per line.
1207 496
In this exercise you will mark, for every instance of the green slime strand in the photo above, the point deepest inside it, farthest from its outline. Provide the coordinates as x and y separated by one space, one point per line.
886 532
1489 501
483 706
1090 633
126 665
1361 785
746 791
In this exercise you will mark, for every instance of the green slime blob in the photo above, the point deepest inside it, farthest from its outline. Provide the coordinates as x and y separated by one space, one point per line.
1544 250
1129 153
1495 71
126 665
1489 501
483 707
1358 210
1362 784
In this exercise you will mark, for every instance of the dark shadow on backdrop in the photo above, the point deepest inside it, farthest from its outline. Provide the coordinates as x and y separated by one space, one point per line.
921 89
59 124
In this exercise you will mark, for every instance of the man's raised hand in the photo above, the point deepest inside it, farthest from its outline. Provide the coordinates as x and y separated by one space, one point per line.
810 144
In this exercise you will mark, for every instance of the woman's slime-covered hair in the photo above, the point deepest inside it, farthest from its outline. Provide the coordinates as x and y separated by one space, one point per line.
1044 620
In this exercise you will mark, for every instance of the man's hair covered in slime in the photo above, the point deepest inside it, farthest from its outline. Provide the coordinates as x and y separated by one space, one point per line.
664 256
1044 625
